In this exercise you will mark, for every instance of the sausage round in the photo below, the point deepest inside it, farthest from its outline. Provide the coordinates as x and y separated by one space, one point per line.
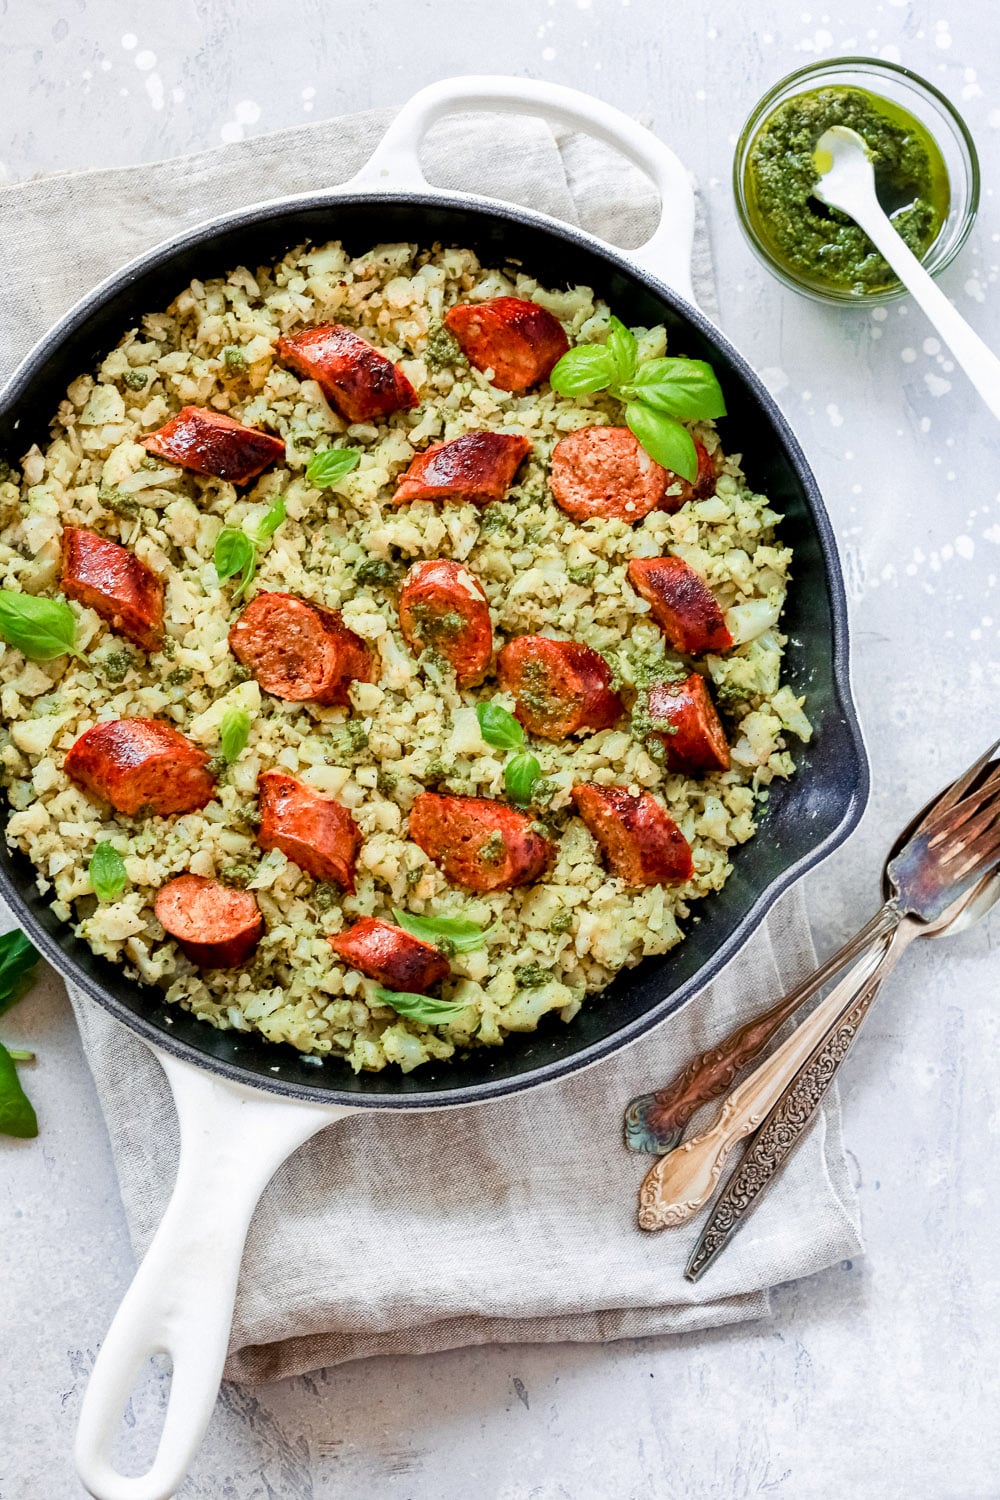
605 472
518 340
681 603
207 442
394 957
313 831
111 580
213 925
443 606
679 490
641 844
357 379
479 844
684 719
300 651
561 687
479 466
141 763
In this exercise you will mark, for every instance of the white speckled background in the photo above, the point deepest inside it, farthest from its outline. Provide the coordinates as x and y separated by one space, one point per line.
875 1380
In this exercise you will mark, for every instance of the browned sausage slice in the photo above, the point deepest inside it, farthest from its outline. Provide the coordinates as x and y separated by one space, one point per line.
703 486
111 580
684 718
299 651
641 844
392 956
141 763
206 442
518 340
605 472
443 606
681 603
479 844
561 687
478 466
213 925
313 831
356 378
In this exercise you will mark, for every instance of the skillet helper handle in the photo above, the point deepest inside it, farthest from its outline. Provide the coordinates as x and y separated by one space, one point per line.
395 163
180 1302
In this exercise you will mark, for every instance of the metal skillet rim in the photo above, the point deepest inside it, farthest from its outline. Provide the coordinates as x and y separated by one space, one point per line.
160 255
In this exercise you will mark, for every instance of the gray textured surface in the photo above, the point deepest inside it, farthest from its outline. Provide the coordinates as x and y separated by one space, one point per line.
877 1379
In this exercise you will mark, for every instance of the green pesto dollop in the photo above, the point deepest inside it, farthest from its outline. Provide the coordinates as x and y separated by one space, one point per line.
821 245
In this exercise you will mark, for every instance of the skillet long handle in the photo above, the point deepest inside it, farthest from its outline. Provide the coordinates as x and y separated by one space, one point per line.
181 1301
395 163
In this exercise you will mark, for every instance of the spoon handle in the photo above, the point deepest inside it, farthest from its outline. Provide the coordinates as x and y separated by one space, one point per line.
655 1122
679 1183
977 360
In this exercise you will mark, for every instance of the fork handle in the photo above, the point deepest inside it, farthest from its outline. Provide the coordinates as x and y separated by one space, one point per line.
654 1122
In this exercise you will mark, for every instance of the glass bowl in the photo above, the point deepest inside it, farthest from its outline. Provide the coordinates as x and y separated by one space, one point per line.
937 115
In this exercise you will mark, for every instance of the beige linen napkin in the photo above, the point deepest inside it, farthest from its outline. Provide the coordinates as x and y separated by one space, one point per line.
513 1221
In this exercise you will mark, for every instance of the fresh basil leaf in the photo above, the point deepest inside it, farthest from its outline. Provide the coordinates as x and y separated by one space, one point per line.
329 467
269 522
40 628
233 551
107 872
423 1008
587 368
234 733
624 351
461 935
683 388
17 1117
520 777
498 727
664 439
18 957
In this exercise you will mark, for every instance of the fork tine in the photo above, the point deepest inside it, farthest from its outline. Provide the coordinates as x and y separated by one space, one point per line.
952 841
940 828
957 790
978 857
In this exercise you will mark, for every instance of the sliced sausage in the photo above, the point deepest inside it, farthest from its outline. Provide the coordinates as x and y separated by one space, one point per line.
357 379
518 340
605 472
479 844
641 844
112 580
313 831
206 442
478 466
392 956
141 763
213 925
684 719
561 687
700 489
441 605
681 603
300 651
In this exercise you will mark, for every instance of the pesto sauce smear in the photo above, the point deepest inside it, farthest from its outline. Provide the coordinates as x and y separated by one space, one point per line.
821 245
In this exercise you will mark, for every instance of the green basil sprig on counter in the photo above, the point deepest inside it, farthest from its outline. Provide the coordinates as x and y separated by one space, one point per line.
329 467
459 934
234 733
41 629
499 728
236 549
423 1008
107 872
659 394
18 958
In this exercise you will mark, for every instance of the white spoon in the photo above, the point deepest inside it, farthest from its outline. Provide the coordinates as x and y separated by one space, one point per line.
847 182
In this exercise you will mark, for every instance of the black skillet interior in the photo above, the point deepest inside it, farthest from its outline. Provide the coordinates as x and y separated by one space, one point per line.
805 818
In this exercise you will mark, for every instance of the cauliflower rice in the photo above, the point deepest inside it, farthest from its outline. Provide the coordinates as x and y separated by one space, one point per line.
558 942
